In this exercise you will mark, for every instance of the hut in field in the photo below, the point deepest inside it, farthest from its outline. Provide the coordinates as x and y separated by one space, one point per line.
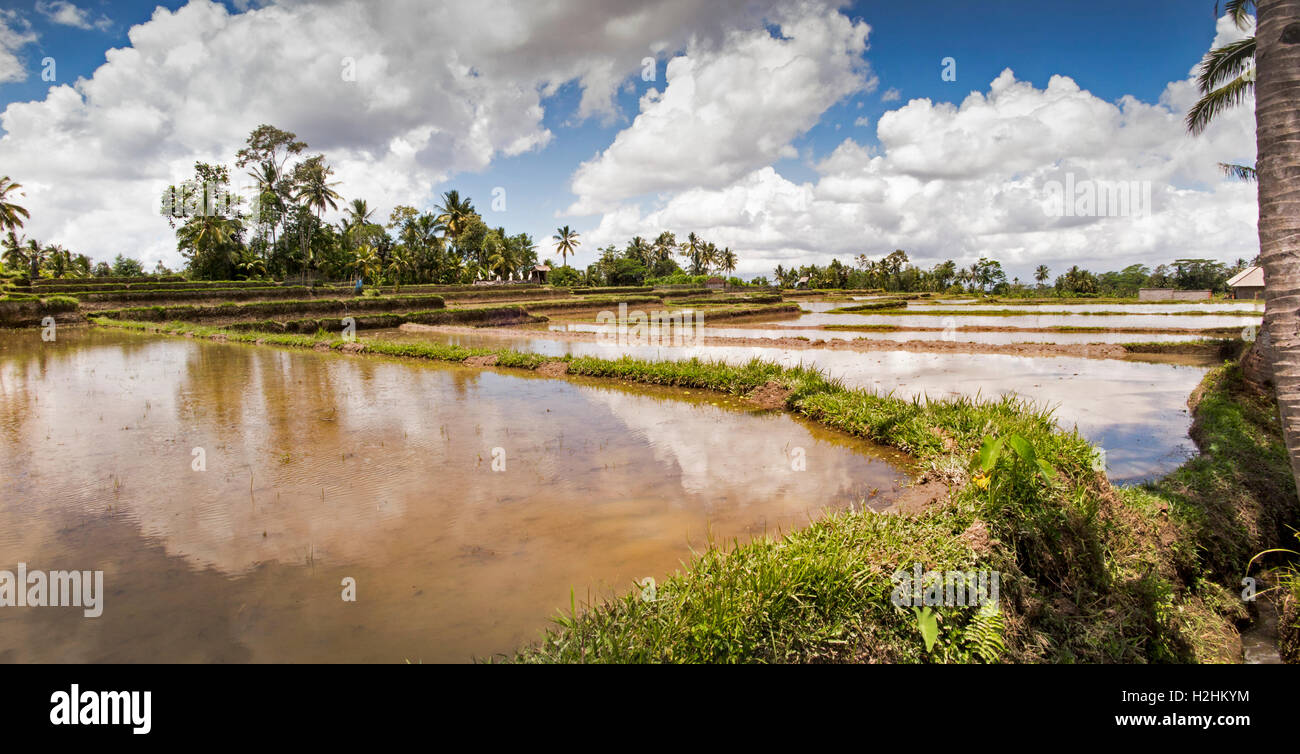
1247 284
538 273
715 283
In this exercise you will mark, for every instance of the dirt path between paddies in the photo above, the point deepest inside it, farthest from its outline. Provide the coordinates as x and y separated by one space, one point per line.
1082 350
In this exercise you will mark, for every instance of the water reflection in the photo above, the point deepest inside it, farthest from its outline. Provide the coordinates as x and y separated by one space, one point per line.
1136 410
322 466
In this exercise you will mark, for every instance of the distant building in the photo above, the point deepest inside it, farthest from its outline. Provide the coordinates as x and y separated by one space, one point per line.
715 283
1171 294
538 273
1249 283
803 282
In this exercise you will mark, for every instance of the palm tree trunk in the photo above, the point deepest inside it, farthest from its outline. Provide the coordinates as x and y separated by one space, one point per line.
1277 139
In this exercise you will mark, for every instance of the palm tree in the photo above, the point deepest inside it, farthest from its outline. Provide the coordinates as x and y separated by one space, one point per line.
639 250
728 260
60 261
207 232
693 249
35 257
1277 140
13 253
250 265
359 213
270 196
316 192
1226 79
711 256
10 212
399 264
566 242
1041 274
664 247
500 257
365 262
455 213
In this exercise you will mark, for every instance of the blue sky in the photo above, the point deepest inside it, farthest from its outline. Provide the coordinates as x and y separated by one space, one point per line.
1109 48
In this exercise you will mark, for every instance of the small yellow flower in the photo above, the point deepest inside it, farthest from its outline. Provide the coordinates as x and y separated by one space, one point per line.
981 480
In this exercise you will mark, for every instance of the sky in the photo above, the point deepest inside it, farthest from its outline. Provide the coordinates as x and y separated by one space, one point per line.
793 132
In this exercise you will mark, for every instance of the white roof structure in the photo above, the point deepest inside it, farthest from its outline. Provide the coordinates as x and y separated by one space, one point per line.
1251 277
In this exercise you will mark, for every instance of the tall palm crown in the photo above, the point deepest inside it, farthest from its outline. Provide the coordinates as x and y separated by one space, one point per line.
728 260
639 250
566 242
695 249
456 213
13 254
359 213
1226 79
267 178
315 189
11 215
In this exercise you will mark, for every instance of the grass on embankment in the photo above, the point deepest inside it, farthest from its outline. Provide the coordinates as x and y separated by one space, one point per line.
1233 501
1223 348
260 309
1088 573
489 316
21 310
756 298
88 285
181 296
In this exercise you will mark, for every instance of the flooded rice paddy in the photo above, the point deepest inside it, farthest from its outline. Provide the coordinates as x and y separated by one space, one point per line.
1137 411
318 468
955 335
1153 321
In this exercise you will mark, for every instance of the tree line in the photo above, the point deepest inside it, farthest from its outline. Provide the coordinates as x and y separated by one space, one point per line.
895 272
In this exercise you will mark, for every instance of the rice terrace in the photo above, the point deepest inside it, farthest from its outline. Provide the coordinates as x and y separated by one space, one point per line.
726 333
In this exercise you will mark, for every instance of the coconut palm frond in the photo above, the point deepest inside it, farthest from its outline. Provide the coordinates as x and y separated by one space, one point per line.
1240 11
1240 172
1215 102
1226 63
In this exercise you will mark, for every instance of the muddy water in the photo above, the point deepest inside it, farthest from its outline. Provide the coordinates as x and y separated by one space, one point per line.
1233 306
321 467
962 336
1157 321
1136 411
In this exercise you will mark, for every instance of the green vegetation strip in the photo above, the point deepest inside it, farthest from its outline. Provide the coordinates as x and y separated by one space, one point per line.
492 316
589 302
714 314
26 310
109 279
871 307
195 294
612 289
760 298
1088 573
270 308
86 285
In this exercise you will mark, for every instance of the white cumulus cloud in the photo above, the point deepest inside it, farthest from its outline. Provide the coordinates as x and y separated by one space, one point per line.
15 33
440 89
68 14
729 109
962 181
